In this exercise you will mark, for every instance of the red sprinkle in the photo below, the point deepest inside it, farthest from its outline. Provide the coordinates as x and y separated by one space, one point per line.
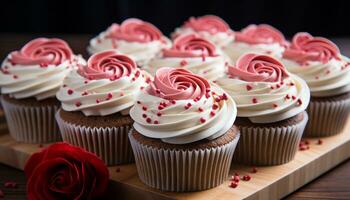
215 106
272 87
138 102
109 95
291 84
173 101
15 76
148 120
299 102
98 101
144 115
293 97
212 113
287 96
224 96
200 109
254 100
274 105
159 114
160 107
156 122
278 86
235 178
246 178
158 91
217 99
233 184
144 108
70 91
202 120
249 87
84 93
43 64
319 141
78 104
183 63
254 170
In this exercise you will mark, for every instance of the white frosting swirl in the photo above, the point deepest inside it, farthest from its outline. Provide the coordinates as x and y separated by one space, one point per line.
177 124
34 80
100 96
266 102
141 53
324 79
236 49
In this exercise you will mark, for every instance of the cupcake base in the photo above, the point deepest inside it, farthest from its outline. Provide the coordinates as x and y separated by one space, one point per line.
327 116
183 168
30 120
106 136
269 144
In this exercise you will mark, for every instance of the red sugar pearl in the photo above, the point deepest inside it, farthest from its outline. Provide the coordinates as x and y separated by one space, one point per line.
293 97
202 120
287 96
156 122
109 95
319 141
233 184
246 178
183 63
144 115
98 101
86 82
299 102
212 113
138 102
254 100
235 178
200 109
215 106
254 170
160 107
159 114
148 120
173 101
249 87
15 76
78 104
144 108
70 91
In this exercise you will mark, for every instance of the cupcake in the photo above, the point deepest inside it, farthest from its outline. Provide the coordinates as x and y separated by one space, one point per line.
271 105
211 27
319 62
183 138
191 52
260 39
138 39
96 99
30 78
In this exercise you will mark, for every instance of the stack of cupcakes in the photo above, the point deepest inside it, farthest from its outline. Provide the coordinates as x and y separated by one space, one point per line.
271 105
183 137
96 99
136 38
319 62
30 79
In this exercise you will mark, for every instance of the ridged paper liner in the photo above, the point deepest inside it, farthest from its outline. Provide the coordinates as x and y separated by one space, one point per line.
31 124
327 118
270 145
111 144
183 170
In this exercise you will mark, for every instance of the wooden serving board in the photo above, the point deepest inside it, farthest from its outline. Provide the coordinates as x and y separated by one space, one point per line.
268 183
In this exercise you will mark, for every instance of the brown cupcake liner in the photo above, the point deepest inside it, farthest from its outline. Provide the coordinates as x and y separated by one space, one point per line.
31 124
327 118
269 145
111 144
183 170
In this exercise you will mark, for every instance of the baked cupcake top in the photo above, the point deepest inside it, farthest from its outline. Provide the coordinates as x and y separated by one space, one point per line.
37 69
211 27
180 107
318 61
264 90
262 39
191 52
107 84
136 38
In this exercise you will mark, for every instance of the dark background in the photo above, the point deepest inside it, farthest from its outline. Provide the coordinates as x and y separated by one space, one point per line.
326 18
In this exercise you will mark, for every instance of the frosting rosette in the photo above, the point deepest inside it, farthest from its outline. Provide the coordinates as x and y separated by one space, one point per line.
179 107
261 39
258 68
318 61
263 90
210 27
37 69
136 38
194 53
107 84
305 48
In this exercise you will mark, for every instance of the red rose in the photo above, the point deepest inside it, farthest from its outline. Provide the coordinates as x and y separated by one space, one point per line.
63 171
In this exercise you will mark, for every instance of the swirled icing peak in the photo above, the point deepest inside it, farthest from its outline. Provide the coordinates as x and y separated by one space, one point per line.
43 51
306 48
178 84
135 30
107 65
260 34
190 45
258 68
209 23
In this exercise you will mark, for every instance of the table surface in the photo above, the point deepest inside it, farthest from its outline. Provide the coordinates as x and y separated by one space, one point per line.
335 184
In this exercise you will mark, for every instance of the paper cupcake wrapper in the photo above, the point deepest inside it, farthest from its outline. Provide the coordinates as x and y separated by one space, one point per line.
31 124
270 145
111 144
327 118
183 170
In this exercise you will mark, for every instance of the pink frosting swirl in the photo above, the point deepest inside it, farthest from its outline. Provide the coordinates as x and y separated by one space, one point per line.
258 68
135 30
260 34
178 84
43 51
210 23
190 45
107 65
306 48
